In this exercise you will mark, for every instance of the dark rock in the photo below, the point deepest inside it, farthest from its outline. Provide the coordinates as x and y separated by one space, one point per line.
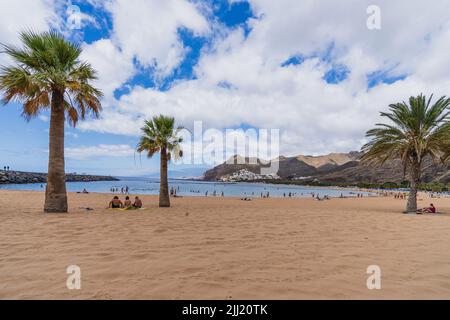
18 177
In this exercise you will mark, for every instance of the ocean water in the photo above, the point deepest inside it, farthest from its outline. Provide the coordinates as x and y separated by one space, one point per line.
194 188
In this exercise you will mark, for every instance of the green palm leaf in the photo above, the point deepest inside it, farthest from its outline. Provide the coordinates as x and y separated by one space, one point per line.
47 62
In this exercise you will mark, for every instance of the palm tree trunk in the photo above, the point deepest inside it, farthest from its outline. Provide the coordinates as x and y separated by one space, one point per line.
411 206
164 200
55 193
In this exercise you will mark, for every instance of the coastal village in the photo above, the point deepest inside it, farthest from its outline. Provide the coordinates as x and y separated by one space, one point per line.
245 175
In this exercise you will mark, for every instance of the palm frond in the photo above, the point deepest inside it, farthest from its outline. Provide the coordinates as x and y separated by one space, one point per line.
160 134
47 62
418 129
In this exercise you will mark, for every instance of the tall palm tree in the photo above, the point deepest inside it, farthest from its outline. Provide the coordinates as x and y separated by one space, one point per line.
47 74
160 135
418 130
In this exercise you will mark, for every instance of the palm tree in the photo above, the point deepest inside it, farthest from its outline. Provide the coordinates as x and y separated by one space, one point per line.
419 130
160 135
47 74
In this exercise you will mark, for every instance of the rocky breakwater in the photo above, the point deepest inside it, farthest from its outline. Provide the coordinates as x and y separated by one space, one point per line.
18 177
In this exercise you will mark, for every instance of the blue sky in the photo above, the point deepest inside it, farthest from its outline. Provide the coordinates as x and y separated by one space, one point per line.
25 142
309 68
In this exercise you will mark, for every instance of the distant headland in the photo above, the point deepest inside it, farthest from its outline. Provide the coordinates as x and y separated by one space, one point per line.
19 177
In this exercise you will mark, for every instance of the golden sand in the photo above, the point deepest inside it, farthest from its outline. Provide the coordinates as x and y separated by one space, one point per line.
223 248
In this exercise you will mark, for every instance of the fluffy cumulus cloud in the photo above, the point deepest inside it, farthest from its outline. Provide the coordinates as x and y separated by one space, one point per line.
242 77
38 15
113 66
144 37
24 14
147 30
309 68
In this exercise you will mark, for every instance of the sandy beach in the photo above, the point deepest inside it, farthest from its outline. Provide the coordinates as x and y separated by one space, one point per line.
223 248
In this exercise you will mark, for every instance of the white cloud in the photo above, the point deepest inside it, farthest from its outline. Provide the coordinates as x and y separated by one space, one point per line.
147 30
435 66
102 150
289 27
113 66
314 116
43 118
20 15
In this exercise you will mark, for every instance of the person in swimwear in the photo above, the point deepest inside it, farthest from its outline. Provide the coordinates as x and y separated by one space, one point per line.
137 203
127 202
430 209
115 203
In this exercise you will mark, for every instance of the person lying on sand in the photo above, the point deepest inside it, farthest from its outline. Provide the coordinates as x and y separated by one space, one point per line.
115 203
430 209
137 203
127 202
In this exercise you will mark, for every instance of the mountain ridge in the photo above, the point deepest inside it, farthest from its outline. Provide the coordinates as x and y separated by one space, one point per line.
333 168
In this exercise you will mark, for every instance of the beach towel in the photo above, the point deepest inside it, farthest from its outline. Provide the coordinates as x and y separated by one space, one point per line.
127 209
131 209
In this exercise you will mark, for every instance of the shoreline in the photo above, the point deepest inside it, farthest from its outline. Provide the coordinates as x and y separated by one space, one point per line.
97 178
332 187
368 193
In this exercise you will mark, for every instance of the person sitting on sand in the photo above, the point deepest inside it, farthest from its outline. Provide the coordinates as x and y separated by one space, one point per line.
137 203
85 191
127 202
115 203
430 209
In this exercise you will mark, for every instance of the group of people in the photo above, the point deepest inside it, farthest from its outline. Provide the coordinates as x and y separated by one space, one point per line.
400 195
435 195
123 190
215 193
291 194
6 168
116 203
